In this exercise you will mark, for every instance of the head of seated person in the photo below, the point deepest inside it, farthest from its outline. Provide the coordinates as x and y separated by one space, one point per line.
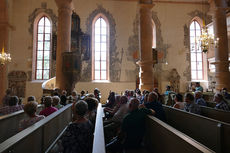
198 94
117 99
124 100
179 98
90 95
64 92
56 100
13 101
48 101
31 98
30 108
152 97
92 103
218 98
189 98
81 108
133 105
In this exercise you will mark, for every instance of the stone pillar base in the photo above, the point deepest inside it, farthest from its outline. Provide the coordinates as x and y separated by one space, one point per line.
222 74
146 75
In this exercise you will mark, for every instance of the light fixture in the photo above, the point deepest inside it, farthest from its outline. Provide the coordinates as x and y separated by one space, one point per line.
206 40
4 57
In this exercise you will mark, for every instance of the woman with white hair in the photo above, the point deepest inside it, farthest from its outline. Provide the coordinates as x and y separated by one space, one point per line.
56 102
30 109
78 136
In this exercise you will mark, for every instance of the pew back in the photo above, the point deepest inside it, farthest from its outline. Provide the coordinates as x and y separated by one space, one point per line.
161 137
216 114
9 124
99 141
38 137
205 130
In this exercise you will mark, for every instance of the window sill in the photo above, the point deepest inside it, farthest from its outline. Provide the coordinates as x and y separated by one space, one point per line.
101 81
38 81
199 81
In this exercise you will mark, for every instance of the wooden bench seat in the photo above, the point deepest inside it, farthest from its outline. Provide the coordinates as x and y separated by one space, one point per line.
212 133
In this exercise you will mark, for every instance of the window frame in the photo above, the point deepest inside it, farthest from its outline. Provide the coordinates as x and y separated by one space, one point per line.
35 47
196 51
97 17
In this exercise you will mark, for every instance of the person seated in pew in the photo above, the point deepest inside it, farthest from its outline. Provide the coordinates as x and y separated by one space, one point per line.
109 112
97 94
156 106
30 109
6 98
56 102
13 106
225 93
144 98
168 90
82 95
160 97
31 99
92 108
112 126
111 100
179 102
221 104
63 97
48 107
132 129
198 98
198 87
190 105
78 137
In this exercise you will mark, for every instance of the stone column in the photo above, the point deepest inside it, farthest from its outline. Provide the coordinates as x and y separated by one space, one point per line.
63 39
146 37
222 75
4 29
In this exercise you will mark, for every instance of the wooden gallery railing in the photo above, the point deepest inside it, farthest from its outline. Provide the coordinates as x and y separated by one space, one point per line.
38 137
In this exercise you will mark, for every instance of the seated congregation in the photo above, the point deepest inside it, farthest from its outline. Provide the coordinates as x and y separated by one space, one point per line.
125 115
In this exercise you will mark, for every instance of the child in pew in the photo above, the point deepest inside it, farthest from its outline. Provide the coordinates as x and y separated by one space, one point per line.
30 109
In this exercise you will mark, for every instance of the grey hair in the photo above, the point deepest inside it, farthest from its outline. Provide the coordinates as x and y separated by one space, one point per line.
56 100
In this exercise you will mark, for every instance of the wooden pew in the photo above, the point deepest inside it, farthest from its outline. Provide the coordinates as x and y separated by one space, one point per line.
99 141
162 138
211 104
216 114
9 124
38 137
212 133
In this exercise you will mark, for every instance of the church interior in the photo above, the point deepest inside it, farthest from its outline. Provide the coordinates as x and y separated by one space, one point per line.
117 46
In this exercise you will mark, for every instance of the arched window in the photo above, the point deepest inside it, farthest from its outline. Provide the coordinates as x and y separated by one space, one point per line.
100 48
43 49
154 43
195 52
